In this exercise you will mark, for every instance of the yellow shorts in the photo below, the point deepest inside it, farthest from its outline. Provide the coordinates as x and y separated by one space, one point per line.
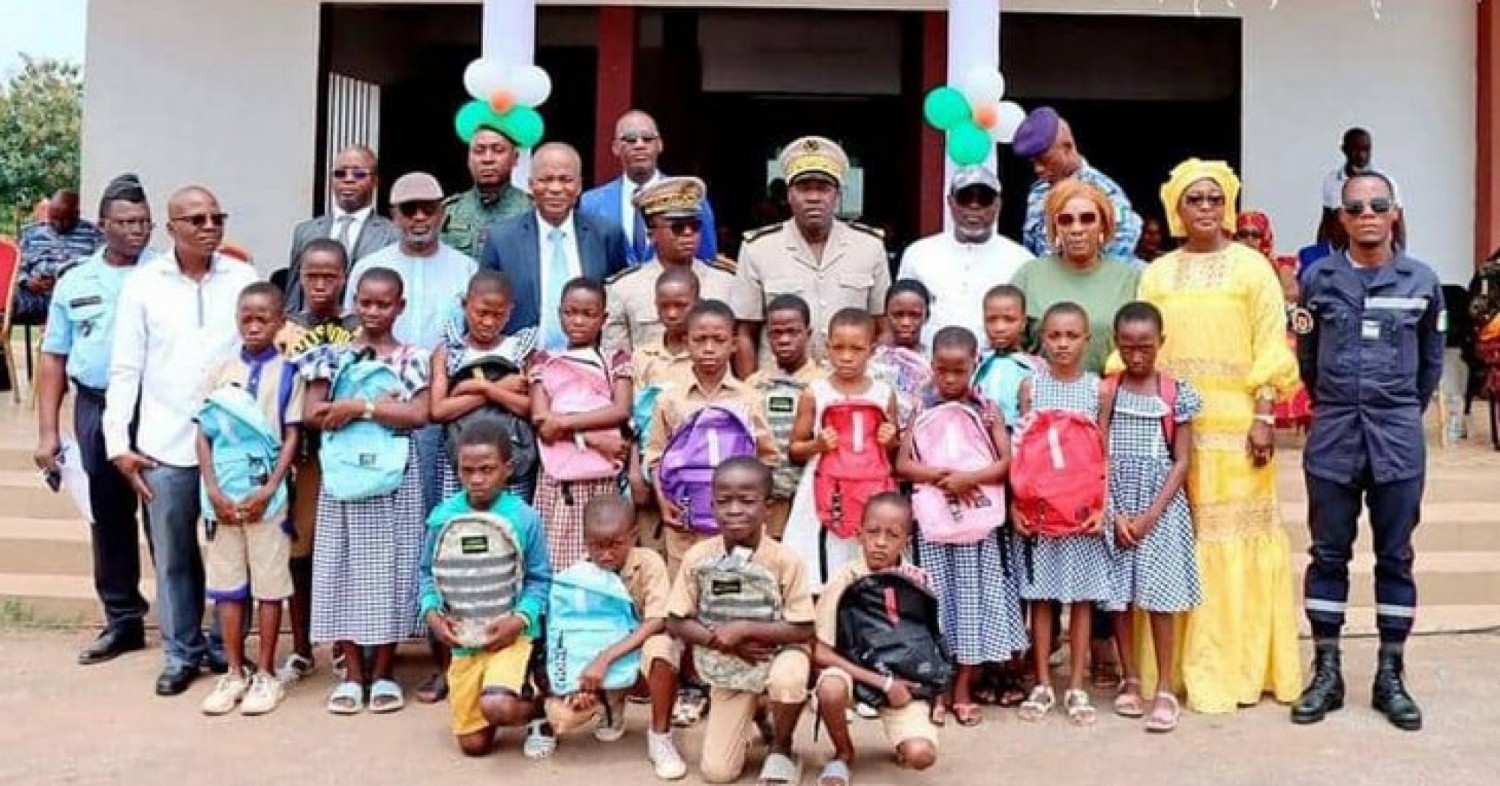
473 676
247 561
912 722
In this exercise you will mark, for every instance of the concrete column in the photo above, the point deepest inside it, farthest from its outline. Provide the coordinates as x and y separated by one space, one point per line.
508 36
615 83
1487 140
973 40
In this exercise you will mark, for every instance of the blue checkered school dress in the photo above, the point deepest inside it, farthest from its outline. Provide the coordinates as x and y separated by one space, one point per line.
1161 573
1076 569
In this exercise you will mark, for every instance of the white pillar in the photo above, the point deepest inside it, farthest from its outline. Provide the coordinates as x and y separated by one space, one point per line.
509 37
973 40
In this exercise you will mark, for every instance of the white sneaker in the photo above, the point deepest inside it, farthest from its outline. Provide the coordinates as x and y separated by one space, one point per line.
227 692
661 751
294 669
611 723
265 695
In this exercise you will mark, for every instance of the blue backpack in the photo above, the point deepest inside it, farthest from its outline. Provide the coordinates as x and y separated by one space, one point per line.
640 419
999 378
245 445
588 611
363 459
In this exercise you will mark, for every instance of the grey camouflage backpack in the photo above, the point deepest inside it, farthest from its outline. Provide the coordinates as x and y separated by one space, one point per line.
733 588
477 568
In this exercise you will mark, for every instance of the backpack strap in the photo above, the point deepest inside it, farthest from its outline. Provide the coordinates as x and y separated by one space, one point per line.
1167 388
284 394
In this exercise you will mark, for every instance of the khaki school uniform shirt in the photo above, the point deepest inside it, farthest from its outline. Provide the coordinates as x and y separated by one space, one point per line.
826 625
632 321
654 364
796 600
645 577
676 404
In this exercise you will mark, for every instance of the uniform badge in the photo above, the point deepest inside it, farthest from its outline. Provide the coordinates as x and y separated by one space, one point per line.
1301 321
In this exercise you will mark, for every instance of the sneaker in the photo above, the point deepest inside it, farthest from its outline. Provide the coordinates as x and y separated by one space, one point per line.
611 723
227 692
294 669
661 751
865 711
265 695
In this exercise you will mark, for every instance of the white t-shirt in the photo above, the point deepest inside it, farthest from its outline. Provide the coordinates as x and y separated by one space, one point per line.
1333 186
958 274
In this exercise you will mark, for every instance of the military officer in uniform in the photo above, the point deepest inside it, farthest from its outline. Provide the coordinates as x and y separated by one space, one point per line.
832 264
1371 325
672 209
80 332
468 216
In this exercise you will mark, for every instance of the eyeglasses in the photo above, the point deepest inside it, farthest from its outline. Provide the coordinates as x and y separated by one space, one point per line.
632 137
1082 219
1379 205
975 197
1248 234
201 220
682 226
351 173
133 223
411 209
1200 199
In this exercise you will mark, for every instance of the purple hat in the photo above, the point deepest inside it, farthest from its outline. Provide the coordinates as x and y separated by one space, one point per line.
1037 132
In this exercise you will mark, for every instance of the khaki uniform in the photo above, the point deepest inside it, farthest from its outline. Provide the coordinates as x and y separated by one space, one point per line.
632 320
468 217
769 382
853 273
654 364
645 577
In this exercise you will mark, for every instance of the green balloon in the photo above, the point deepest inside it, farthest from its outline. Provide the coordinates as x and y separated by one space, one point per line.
470 117
523 125
968 144
946 108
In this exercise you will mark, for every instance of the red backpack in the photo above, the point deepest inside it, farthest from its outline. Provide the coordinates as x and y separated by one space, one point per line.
1057 472
1166 388
858 469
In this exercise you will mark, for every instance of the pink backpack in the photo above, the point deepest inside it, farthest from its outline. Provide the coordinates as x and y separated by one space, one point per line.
953 436
576 383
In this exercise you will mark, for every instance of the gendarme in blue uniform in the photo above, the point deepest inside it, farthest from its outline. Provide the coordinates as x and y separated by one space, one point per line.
1371 356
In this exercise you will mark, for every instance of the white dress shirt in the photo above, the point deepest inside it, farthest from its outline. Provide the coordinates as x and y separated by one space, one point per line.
958 274
544 248
170 331
433 286
360 217
628 190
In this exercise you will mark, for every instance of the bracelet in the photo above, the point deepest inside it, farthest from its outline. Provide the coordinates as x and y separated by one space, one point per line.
889 681
1269 420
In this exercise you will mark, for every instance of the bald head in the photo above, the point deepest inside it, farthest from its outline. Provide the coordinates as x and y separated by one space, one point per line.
637 144
556 180
195 222
62 211
354 179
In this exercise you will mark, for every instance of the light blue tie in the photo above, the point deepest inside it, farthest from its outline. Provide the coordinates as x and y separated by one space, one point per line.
557 276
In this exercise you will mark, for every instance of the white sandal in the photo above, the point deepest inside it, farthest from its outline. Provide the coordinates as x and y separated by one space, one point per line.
1038 703
540 743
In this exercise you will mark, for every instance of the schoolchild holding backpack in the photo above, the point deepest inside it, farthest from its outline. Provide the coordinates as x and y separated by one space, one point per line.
1146 417
901 360
580 402
1067 560
366 397
789 331
845 433
958 455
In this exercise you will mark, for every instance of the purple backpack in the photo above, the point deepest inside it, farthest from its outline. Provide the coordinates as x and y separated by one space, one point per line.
704 441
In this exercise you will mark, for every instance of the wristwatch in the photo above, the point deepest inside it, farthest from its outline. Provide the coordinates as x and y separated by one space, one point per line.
369 410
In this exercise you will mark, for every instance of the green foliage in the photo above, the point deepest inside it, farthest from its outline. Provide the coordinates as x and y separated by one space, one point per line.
41 128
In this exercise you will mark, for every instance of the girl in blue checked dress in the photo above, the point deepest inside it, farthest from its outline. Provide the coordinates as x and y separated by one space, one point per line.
366 554
1149 444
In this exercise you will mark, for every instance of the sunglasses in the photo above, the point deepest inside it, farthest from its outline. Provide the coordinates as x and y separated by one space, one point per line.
351 173
1248 234
201 220
682 226
1379 206
634 137
413 209
1081 219
975 197
1199 200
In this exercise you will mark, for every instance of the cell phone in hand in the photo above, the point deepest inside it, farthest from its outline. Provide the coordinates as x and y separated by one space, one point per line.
53 479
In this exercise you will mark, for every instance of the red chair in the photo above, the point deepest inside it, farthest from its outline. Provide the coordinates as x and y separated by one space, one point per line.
10 275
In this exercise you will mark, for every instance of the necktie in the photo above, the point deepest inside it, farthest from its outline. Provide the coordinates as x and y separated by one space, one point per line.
638 241
343 225
557 276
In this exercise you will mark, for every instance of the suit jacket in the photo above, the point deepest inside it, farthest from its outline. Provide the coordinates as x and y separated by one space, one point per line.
377 233
514 248
604 202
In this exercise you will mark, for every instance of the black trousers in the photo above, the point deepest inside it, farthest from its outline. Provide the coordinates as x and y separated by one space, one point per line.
1395 509
115 529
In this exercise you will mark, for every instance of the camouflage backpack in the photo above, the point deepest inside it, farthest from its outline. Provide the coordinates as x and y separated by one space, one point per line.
733 588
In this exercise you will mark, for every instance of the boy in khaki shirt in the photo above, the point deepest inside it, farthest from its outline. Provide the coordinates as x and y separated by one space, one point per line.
742 488
788 330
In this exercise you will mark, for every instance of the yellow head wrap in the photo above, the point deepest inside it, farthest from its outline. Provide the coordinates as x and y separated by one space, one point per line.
1190 172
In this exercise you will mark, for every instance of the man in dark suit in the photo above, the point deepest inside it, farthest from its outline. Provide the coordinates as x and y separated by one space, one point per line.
541 250
353 221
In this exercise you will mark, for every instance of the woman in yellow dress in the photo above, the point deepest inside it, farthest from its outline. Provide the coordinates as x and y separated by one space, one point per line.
1225 326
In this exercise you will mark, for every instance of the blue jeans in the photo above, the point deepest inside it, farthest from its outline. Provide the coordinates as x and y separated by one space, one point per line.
172 524
430 447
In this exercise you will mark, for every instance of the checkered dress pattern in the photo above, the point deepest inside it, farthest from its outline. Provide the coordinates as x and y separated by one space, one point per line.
979 605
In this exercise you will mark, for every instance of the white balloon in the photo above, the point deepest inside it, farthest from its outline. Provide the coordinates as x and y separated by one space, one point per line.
1011 116
531 85
483 77
982 86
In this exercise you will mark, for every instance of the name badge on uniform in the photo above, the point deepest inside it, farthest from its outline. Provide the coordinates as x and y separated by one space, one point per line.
781 405
1369 330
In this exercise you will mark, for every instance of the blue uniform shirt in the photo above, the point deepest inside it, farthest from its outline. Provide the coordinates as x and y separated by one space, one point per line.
81 318
1371 356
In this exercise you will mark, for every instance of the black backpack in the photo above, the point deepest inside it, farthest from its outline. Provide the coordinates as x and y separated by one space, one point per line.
888 623
523 450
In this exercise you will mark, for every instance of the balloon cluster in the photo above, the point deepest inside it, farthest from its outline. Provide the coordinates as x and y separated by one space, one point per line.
973 116
505 99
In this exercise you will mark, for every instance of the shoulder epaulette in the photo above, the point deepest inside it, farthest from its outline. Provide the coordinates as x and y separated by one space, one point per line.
452 199
756 234
724 263
876 232
611 280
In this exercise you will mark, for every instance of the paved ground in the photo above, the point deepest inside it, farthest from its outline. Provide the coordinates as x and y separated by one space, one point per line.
68 724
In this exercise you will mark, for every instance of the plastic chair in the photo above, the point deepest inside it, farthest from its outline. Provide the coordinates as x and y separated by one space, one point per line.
10 272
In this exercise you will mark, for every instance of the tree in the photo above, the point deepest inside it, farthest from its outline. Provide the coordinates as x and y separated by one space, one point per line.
41 125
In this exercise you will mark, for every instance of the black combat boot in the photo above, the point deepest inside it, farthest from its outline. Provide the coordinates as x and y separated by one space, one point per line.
1326 691
1388 695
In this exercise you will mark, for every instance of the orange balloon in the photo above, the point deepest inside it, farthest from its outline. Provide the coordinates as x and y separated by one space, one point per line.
502 101
986 117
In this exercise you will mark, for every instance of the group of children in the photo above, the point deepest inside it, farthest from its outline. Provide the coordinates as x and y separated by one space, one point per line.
726 508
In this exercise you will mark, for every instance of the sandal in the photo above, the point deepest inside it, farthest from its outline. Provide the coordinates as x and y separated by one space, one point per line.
968 715
540 742
1128 703
347 698
835 773
1038 703
691 704
780 770
433 689
386 696
1080 711
1160 722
